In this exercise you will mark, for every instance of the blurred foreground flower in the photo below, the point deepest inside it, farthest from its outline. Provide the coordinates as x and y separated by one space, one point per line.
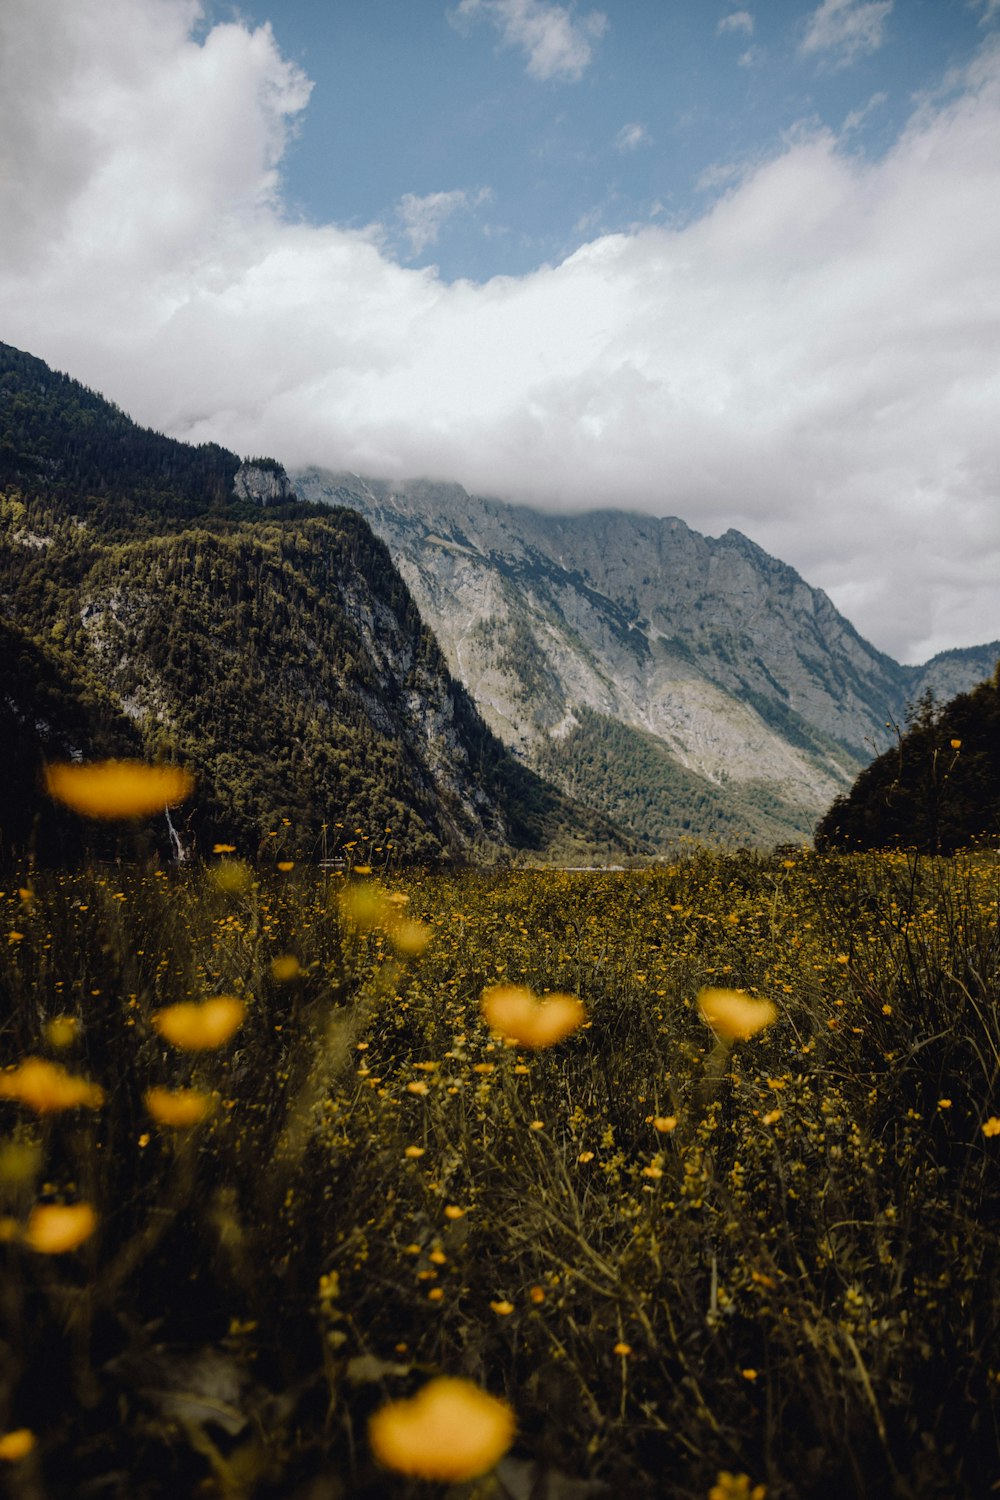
408 936
62 1031
992 1126
179 1108
525 1020
284 968
736 1487
54 1228
196 1028
47 1088
449 1431
733 1015
231 876
16 1445
117 788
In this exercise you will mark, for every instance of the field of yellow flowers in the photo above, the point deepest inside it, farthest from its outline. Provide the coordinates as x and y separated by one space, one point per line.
682 1182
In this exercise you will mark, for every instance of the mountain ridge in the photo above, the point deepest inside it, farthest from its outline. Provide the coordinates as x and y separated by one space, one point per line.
178 602
748 677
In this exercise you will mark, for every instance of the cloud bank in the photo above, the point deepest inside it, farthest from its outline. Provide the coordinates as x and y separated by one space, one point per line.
557 43
812 361
843 30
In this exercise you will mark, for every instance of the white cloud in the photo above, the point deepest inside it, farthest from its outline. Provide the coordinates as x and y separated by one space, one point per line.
857 117
846 29
424 217
739 20
558 44
753 57
990 9
631 136
812 361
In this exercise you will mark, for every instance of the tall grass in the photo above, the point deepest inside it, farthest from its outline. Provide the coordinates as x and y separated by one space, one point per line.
783 1269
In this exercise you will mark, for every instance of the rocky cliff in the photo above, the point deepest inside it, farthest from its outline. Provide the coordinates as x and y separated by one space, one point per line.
162 600
725 695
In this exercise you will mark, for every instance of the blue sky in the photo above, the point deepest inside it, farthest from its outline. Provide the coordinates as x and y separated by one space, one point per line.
482 151
738 263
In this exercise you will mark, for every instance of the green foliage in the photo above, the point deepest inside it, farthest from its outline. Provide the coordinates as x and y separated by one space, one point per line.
58 438
938 790
641 787
784 1267
277 652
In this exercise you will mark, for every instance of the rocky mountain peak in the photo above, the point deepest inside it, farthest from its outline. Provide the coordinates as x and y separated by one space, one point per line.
717 689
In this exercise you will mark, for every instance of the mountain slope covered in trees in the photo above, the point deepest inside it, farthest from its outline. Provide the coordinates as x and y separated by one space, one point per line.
151 609
937 789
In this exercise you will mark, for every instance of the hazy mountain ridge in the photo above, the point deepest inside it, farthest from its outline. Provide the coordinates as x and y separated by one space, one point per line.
751 680
164 600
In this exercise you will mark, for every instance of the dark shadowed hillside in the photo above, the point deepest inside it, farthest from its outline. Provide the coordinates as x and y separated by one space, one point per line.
270 644
937 790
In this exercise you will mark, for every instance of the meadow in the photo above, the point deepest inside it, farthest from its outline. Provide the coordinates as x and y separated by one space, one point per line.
691 1265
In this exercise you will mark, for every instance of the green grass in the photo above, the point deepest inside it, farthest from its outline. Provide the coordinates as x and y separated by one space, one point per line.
804 1268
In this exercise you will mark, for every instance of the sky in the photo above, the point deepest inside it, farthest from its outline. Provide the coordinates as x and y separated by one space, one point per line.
737 263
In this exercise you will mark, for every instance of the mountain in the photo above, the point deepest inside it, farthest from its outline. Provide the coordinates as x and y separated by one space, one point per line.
685 685
165 600
937 789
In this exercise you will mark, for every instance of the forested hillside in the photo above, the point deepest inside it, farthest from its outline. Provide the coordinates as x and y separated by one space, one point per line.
630 772
937 790
275 650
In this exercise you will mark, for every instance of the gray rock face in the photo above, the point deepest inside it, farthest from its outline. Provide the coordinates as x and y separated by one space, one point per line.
721 658
264 484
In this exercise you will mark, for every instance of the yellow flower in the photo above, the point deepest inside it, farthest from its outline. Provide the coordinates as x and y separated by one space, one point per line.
364 907
285 968
16 1445
622 1349
179 1108
525 1020
284 865
195 1028
956 744
502 1309
410 937
47 1088
232 877
223 848
736 1487
733 1015
665 1123
992 1126
54 1228
117 788
450 1431
61 1031
20 1162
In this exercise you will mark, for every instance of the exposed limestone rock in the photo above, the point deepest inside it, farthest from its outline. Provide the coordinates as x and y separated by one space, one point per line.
747 676
264 484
